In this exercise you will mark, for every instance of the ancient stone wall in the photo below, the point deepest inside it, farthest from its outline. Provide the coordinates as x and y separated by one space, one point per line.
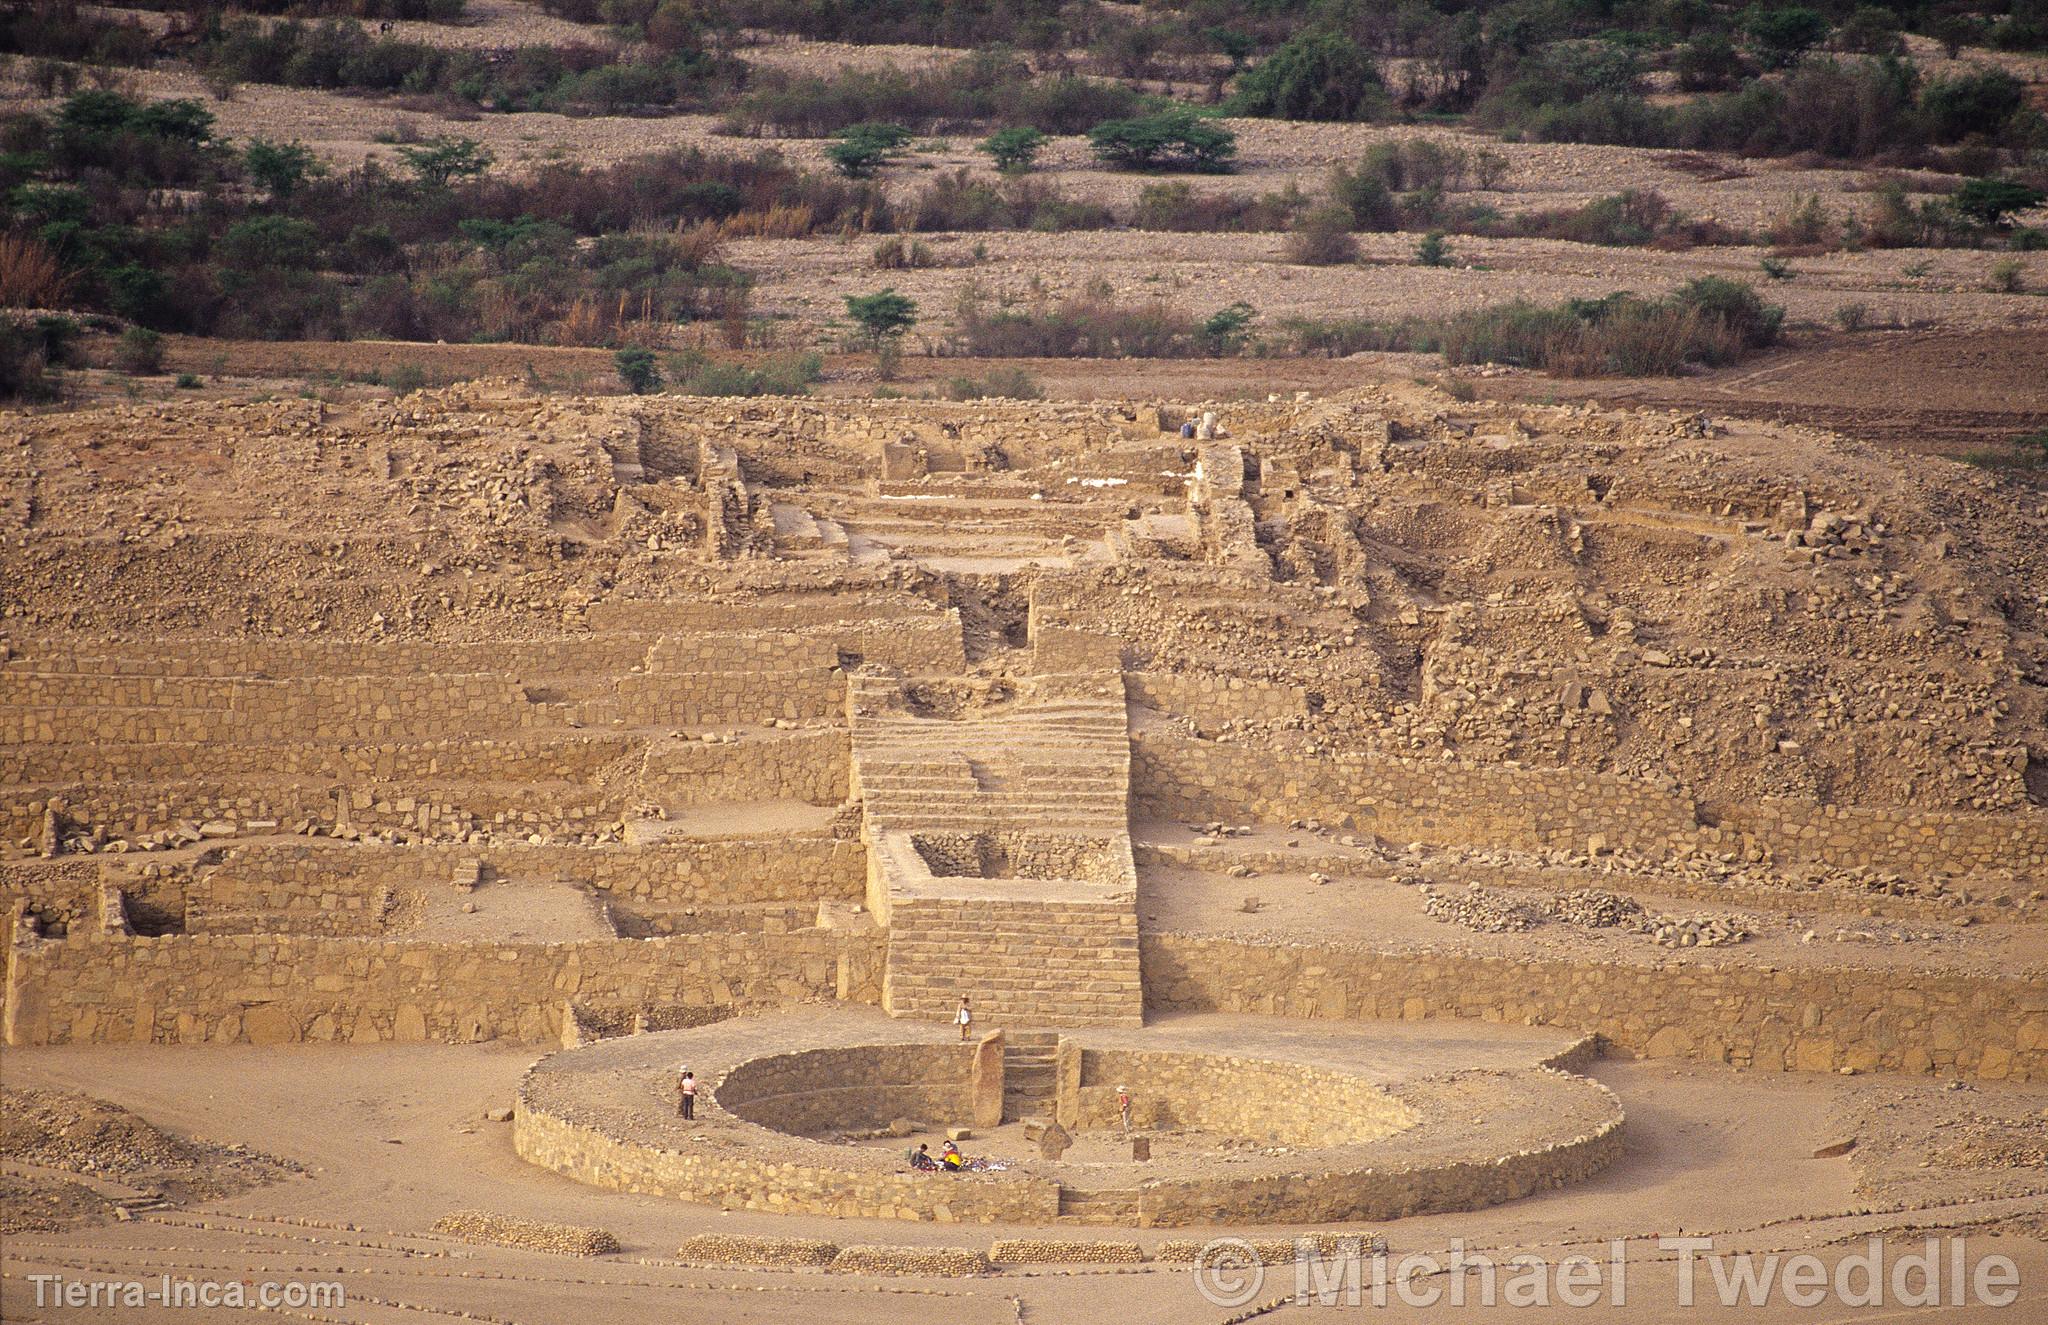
1212 699
525 809
1818 1019
1457 802
1258 1100
1911 842
809 765
1380 1191
738 1180
276 988
1405 799
845 1089
556 755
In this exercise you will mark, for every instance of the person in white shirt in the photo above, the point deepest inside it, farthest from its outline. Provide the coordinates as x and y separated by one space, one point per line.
964 1018
686 1094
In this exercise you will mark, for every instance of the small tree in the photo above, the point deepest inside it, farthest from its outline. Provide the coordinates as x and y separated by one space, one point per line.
863 149
1954 31
280 167
1015 148
1173 137
637 370
1223 332
1781 36
882 316
1315 76
1991 202
1433 251
439 162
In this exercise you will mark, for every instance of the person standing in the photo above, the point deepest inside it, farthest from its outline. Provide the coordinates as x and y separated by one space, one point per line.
1123 1108
964 1018
686 1094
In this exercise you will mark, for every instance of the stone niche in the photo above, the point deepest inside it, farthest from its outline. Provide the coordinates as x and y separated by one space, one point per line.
1017 856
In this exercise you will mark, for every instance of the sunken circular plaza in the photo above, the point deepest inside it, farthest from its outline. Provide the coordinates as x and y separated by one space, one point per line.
1247 1120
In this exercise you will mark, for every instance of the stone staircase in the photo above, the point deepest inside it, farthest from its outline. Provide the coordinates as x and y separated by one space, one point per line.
1104 1206
1059 764
1029 771
1022 963
1030 1067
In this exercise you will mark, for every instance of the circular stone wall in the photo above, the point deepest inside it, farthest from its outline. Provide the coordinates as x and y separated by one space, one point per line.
777 1086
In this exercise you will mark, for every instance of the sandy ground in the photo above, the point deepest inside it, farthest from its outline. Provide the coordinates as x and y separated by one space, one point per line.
1369 902
804 282
1712 1153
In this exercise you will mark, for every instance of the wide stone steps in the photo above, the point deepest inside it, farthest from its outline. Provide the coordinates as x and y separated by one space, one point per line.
1109 1206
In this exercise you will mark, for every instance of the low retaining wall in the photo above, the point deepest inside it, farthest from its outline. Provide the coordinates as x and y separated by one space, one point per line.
735 1180
269 989
1453 802
1254 1099
820 1090
1819 1020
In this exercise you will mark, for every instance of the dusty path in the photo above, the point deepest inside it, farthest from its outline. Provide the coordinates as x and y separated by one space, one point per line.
1712 1152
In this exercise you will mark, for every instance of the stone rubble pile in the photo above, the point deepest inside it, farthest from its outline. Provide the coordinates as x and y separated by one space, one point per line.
1479 909
482 1227
767 1253
1059 1251
935 1261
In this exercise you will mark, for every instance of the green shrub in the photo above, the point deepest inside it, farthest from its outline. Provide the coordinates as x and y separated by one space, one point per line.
861 150
280 167
636 368
1366 196
1174 138
1315 76
440 161
900 253
781 375
139 352
1978 103
1175 205
1014 149
882 316
1780 36
1707 63
1991 202
1084 326
1711 321
2008 276
187 382
1736 306
404 379
1323 238
997 384
1433 251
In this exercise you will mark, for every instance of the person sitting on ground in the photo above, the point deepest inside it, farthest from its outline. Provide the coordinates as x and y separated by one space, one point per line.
952 1158
921 1158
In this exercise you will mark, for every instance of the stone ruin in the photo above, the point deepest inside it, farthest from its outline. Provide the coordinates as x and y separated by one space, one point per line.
481 715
